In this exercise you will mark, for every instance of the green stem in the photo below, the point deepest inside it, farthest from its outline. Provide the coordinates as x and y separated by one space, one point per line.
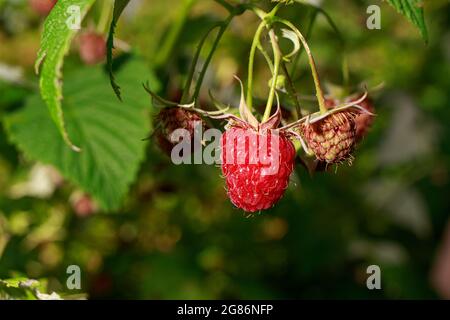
308 35
251 62
222 29
292 91
266 56
187 87
234 11
169 43
266 20
277 60
226 5
105 15
312 63
345 69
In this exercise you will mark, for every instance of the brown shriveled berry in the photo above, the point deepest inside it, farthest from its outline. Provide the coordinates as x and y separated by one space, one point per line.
331 139
363 121
170 119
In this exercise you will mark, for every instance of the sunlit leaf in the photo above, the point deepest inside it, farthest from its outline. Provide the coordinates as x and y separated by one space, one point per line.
59 30
110 132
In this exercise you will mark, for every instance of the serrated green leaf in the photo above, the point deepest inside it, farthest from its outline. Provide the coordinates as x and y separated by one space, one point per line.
55 44
119 6
110 131
413 10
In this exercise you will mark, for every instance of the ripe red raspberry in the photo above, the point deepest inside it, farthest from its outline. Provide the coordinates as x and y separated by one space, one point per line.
363 120
92 47
170 119
256 166
332 139
42 7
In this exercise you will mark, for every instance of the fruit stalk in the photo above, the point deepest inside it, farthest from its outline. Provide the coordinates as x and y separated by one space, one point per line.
251 64
187 87
105 16
266 18
234 11
277 61
222 29
292 91
319 91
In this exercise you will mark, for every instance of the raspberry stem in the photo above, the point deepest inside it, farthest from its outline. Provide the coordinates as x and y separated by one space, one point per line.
105 16
190 76
341 39
311 23
251 64
292 91
266 56
222 29
233 12
319 91
277 58
266 20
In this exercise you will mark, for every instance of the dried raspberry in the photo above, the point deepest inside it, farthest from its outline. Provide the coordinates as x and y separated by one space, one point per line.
170 119
42 7
92 48
256 166
363 120
332 139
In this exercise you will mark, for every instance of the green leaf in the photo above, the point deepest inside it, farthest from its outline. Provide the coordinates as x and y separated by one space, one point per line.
413 10
119 6
25 289
55 43
110 132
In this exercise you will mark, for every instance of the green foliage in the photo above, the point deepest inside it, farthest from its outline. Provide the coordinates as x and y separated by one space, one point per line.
119 6
110 132
179 237
413 10
25 289
55 44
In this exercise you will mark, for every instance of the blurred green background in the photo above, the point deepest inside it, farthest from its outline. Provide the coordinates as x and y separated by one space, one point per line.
177 236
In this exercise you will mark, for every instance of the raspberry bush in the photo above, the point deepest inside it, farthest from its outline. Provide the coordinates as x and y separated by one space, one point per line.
92 173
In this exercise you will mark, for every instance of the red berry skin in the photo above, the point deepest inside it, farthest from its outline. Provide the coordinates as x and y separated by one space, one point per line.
42 7
92 48
257 184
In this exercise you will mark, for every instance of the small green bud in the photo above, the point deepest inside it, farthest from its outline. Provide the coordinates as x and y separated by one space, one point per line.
280 84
